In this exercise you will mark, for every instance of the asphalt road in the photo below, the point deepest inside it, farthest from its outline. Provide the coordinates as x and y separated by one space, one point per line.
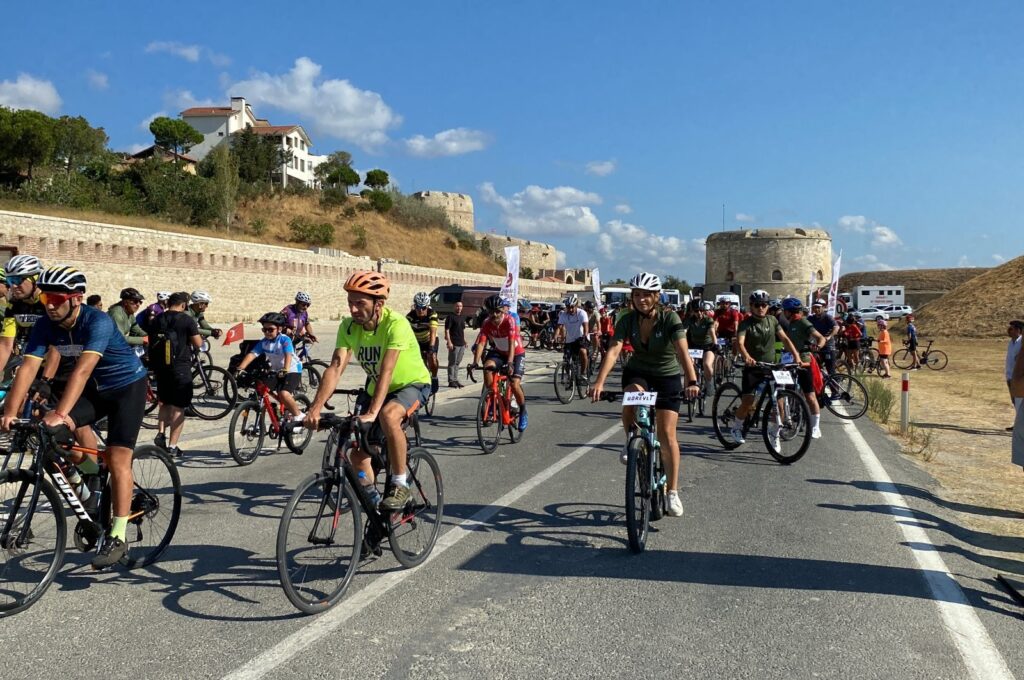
842 565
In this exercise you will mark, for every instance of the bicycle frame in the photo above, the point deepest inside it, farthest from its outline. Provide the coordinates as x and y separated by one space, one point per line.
499 396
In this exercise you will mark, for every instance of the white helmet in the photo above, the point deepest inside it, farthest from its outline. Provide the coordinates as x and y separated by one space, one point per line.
303 298
23 265
645 281
200 296
163 296
421 299
571 301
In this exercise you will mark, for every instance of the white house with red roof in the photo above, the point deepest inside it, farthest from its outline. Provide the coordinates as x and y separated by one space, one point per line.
218 123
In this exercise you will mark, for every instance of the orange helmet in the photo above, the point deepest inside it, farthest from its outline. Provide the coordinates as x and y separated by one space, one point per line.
369 283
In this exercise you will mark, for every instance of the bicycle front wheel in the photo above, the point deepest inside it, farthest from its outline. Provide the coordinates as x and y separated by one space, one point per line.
215 393
488 423
902 358
786 427
428 405
156 506
638 494
413 532
846 391
723 409
936 360
246 432
319 542
31 548
514 433
565 382
297 440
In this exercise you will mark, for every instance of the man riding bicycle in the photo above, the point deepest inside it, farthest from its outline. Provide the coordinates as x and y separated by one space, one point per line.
423 320
593 327
24 308
123 313
805 338
199 301
297 325
572 329
505 351
398 382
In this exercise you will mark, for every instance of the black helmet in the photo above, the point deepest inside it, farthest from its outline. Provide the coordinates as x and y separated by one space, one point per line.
274 318
494 303
132 295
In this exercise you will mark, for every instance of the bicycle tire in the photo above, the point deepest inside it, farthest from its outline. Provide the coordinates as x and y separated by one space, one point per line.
937 360
428 405
638 494
309 380
315 575
155 508
902 358
843 388
413 532
205 358
35 570
690 407
797 427
565 383
246 432
296 441
215 396
723 407
655 471
151 414
487 416
514 433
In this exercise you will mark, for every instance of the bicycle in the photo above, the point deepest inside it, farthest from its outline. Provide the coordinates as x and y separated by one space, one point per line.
842 389
724 368
568 377
312 369
427 355
934 359
249 427
32 548
698 404
322 538
785 419
214 391
497 409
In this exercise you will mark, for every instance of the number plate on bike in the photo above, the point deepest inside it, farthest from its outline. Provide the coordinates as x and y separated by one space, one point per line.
639 398
696 354
782 377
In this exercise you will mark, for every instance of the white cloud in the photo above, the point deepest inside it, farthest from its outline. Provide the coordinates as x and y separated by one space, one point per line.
179 100
884 236
635 248
97 80
996 257
857 223
32 93
623 209
452 142
872 263
336 107
744 217
881 235
144 125
559 259
561 211
186 52
600 168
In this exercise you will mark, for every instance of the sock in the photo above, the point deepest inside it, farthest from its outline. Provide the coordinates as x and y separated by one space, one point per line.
119 527
399 480
299 418
88 466
816 420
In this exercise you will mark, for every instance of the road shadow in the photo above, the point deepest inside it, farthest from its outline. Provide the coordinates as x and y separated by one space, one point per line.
564 524
964 430
912 491
252 499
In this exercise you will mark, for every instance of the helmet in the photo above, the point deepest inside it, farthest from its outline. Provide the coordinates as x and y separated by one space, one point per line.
23 265
759 296
368 283
523 305
275 318
132 295
303 298
791 304
62 279
163 296
645 281
588 305
421 299
707 305
571 301
774 304
200 296
495 302
820 302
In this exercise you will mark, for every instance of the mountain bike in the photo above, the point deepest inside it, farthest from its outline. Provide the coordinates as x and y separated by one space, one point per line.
249 427
843 395
33 529
697 405
497 410
934 359
322 536
724 368
780 411
214 391
312 369
568 377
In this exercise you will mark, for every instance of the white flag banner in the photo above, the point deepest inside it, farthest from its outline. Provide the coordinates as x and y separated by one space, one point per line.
833 290
510 289
595 277
810 293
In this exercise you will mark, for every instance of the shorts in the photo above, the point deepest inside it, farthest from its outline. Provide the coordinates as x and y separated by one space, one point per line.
804 380
668 388
410 397
752 377
122 407
576 345
425 346
852 344
912 346
726 335
500 361
174 390
289 383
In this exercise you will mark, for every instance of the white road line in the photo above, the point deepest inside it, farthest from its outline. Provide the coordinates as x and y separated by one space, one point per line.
323 625
980 655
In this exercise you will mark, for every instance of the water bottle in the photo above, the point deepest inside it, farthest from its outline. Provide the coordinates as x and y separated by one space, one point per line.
370 489
75 479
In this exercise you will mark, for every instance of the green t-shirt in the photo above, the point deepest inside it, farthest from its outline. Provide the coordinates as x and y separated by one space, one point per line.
799 332
658 356
594 322
698 332
393 332
758 337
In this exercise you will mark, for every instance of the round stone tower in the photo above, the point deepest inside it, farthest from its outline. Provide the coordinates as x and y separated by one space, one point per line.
458 206
779 261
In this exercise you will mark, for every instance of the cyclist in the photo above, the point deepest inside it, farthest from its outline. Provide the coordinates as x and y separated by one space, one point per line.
297 316
123 313
804 337
593 327
423 320
108 381
700 334
755 340
154 310
853 335
199 300
285 365
572 329
828 328
912 343
727 320
24 308
607 326
95 301
385 346
173 336
505 351
659 349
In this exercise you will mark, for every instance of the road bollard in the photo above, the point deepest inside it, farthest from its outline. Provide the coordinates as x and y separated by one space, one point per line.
905 404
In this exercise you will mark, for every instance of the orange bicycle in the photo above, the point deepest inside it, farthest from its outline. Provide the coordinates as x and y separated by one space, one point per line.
497 411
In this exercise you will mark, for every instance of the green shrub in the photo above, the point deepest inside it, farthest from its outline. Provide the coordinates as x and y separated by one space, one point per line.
881 400
349 211
306 231
380 201
364 207
467 244
332 197
415 214
258 226
365 192
359 232
297 188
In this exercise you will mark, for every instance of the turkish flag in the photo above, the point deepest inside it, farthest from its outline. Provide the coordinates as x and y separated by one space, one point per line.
236 332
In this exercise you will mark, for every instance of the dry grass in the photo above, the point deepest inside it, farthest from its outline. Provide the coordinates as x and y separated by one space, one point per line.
980 307
913 279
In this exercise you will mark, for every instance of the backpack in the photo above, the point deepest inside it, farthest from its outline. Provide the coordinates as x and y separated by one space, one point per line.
164 342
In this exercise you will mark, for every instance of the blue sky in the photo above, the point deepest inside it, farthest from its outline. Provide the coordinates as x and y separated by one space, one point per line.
615 131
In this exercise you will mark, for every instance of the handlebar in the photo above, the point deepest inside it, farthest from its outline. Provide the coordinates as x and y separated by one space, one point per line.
767 366
351 392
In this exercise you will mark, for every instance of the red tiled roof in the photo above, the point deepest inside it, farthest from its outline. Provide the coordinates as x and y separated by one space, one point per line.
153 149
208 111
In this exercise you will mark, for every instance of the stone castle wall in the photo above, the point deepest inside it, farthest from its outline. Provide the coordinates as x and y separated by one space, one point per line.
532 254
245 280
749 257
459 207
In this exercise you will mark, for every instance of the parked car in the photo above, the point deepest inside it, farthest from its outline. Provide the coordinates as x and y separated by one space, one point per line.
443 300
873 313
897 311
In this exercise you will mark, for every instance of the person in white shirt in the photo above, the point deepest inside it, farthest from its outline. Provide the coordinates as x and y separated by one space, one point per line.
1014 329
572 329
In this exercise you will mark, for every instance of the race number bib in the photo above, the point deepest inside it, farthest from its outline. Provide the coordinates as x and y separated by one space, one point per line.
787 358
722 342
639 398
696 354
782 377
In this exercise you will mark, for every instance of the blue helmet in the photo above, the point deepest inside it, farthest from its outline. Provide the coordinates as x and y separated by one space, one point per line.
791 304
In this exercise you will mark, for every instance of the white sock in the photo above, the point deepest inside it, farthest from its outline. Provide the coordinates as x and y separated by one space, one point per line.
815 420
399 480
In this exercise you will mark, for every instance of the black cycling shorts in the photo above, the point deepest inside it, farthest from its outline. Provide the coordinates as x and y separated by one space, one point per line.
122 407
289 383
804 380
425 346
752 377
500 360
668 387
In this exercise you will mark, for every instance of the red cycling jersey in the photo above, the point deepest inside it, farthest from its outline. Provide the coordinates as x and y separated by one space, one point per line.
728 320
501 334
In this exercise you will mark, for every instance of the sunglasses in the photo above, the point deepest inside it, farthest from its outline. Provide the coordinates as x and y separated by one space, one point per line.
269 329
57 299
17 280
759 304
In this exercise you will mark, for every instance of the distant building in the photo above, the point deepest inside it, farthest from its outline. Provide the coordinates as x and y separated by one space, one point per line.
458 207
780 261
185 162
574 277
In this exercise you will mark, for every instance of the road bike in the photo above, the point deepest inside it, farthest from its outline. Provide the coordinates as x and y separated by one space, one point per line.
934 359
780 411
426 355
322 536
249 424
568 377
33 524
842 394
497 410
214 392
312 369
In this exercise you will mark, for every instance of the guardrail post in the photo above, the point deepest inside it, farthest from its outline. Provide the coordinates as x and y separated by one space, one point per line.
905 404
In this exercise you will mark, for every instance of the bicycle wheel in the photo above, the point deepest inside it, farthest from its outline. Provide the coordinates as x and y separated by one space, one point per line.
205 358
846 391
786 427
246 432
902 358
723 408
488 423
565 382
428 405
514 433
215 393
31 549
156 506
868 360
319 542
296 441
413 532
638 494
702 398
151 414
309 379
936 360
690 408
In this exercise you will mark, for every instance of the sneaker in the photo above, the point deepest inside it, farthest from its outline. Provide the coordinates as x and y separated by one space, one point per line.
452 385
624 456
397 499
675 506
161 440
523 421
110 553
736 432
816 433
175 452
775 438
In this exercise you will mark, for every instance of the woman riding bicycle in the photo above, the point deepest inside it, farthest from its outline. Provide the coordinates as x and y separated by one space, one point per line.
659 349
700 334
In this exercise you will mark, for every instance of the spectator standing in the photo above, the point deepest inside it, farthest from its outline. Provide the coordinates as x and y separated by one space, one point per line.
885 346
912 342
173 335
455 339
1014 329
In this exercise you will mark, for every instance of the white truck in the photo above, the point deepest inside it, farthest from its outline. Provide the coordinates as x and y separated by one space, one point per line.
672 296
864 297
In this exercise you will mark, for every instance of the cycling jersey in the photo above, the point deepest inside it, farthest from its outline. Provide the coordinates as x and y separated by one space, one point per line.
658 355
20 316
728 321
94 332
800 331
421 325
575 324
295 319
276 351
698 332
148 314
502 335
392 332
607 325
758 337
126 324
205 329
